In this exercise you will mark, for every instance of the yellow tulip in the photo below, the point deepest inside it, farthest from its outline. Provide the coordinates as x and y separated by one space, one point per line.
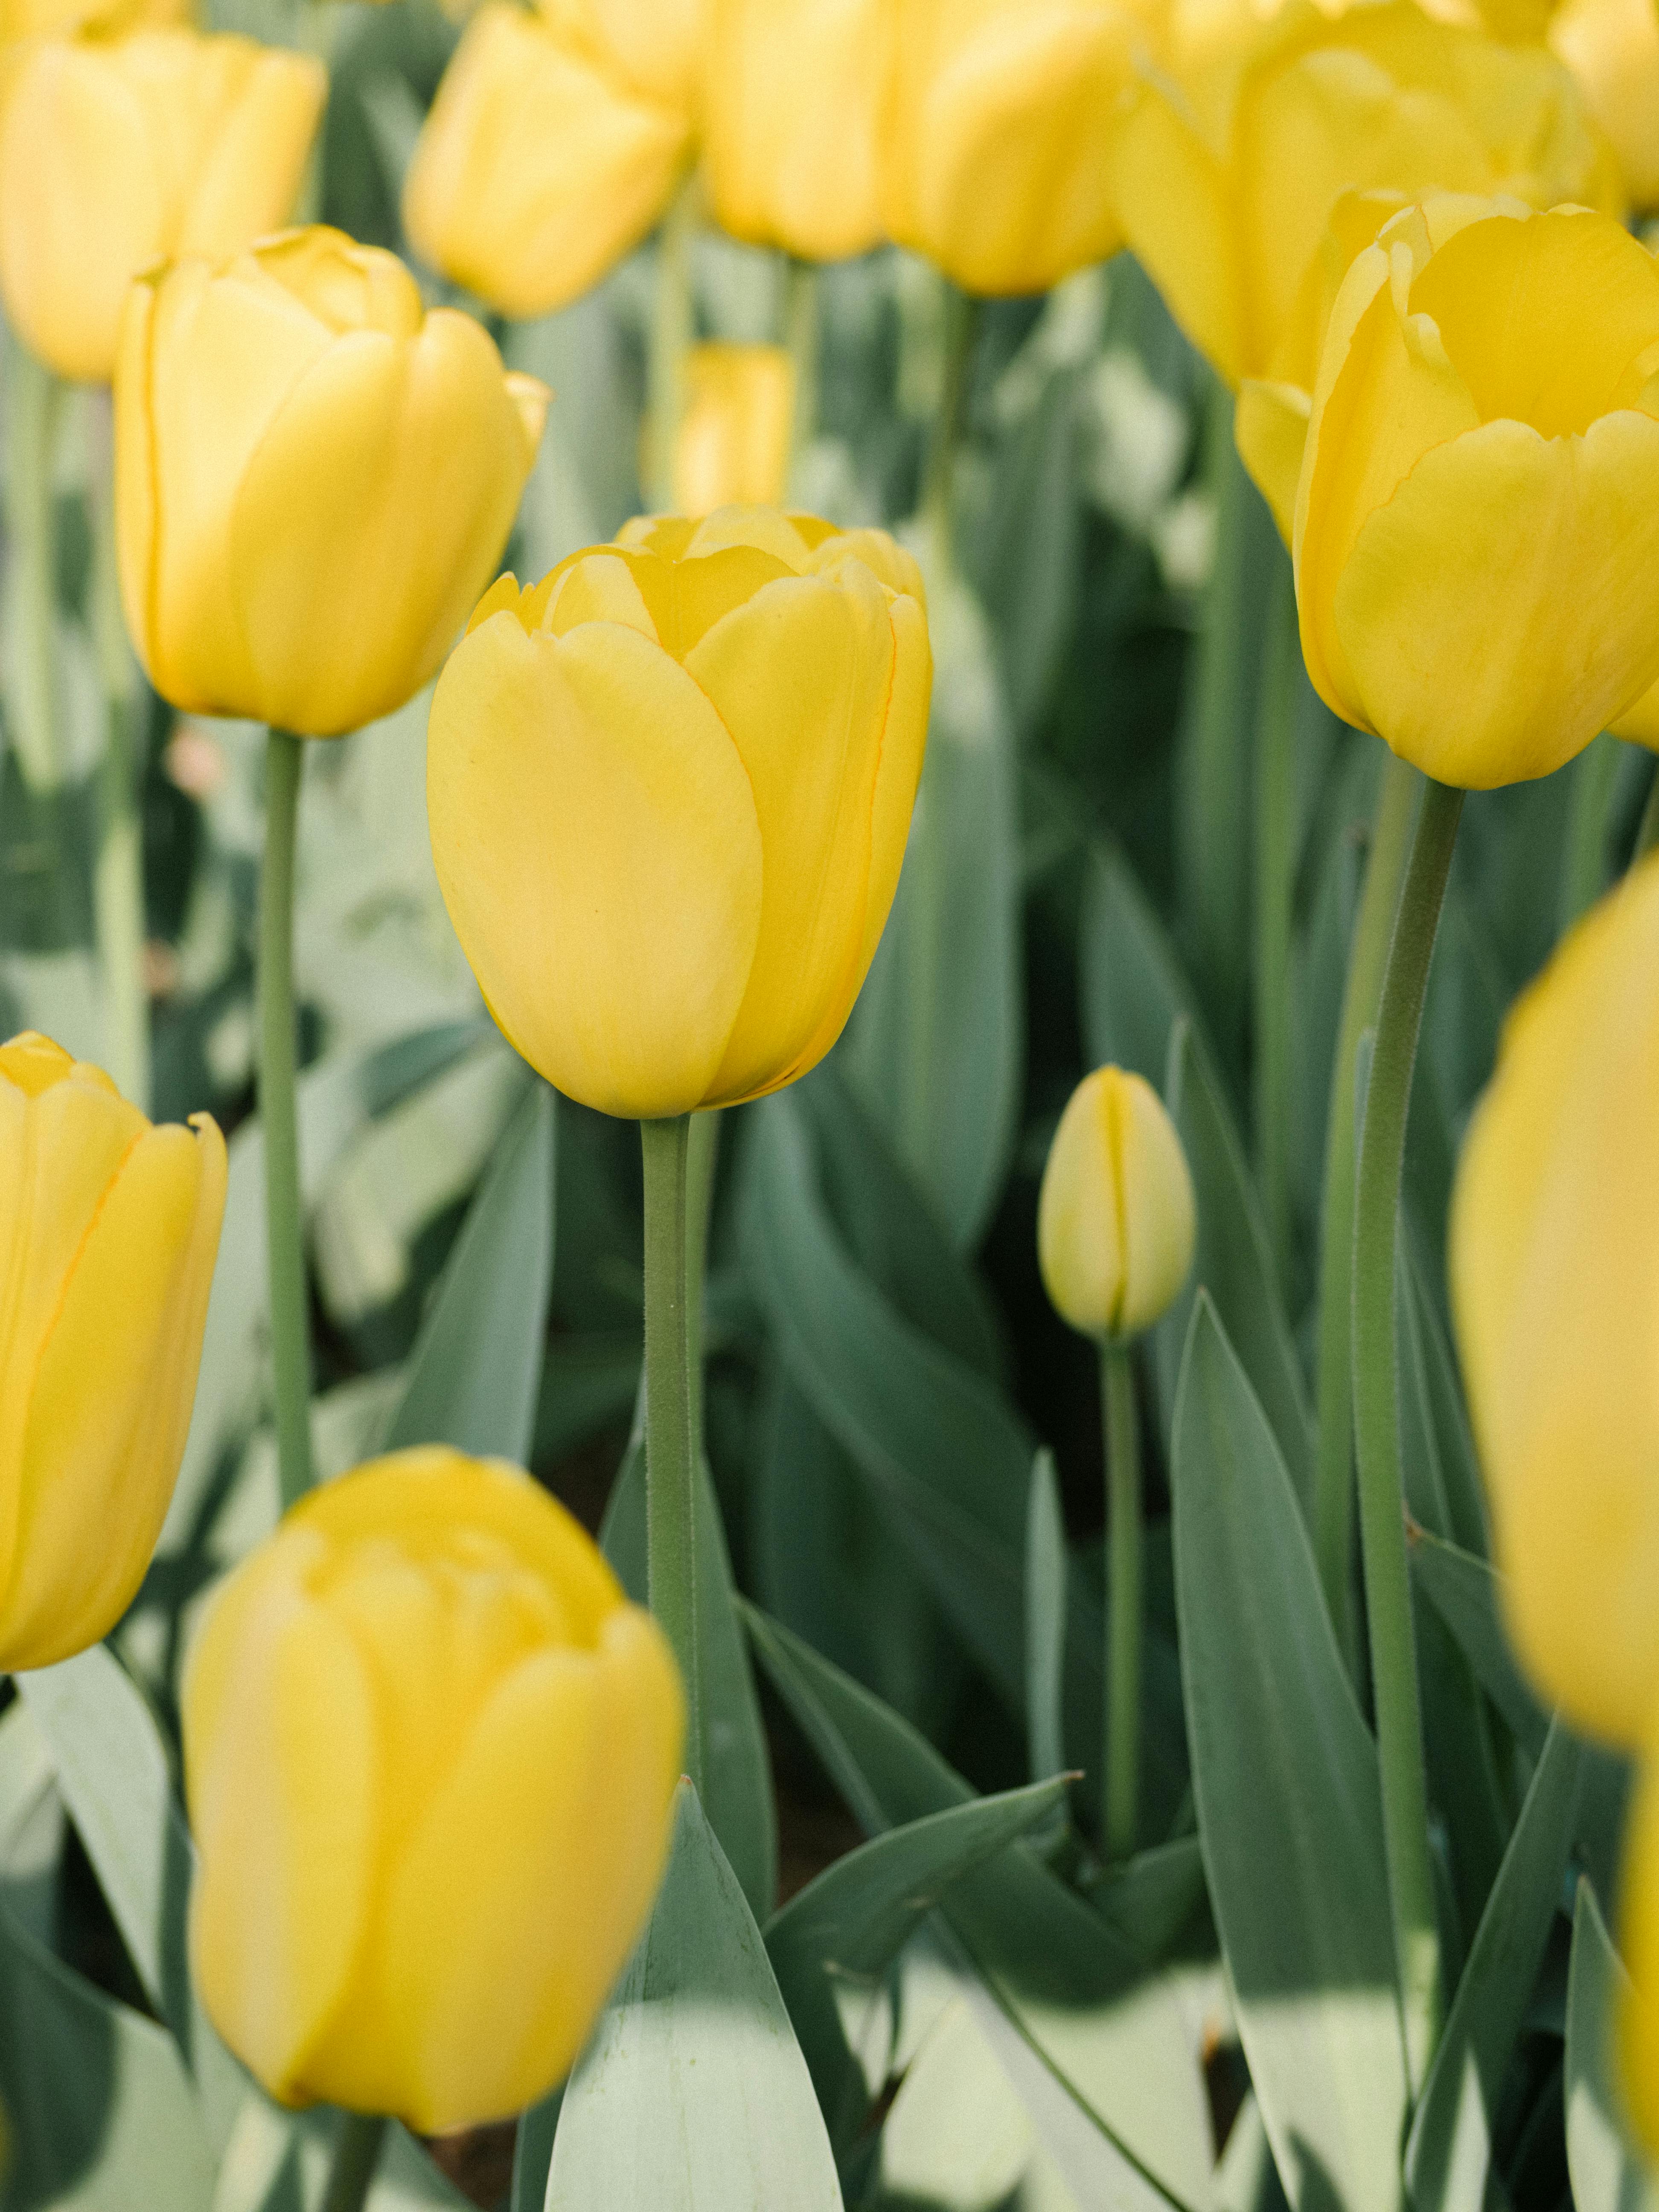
1555 1264
1002 119
734 440
430 1754
1225 184
670 789
793 101
1115 1216
313 480
1636 2016
1479 512
110 1227
655 45
30 19
540 166
1612 47
117 153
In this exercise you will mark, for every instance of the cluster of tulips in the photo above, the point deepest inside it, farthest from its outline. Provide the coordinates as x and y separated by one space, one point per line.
670 788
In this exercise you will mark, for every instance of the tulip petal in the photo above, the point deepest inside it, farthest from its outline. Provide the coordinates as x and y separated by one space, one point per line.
598 850
1636 2017
1640 723
1420 604
1080 1243
1178 217
1159 1214
688 597
261 108
1270 427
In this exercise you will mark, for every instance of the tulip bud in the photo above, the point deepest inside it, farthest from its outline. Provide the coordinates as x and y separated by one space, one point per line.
115 155
1115 1218
430 1753
733 449
1482 472
540 166
670 789
313 480
1555 1264
1612 47
793 124
1001 130
655 45
112 1230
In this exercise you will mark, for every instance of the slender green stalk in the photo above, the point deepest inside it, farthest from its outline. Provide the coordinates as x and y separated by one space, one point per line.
1647 830
1275 871
672 330
703 1152
671 1467
119 875
1385 871
357 2154
1376 1422
962 316
1124 1548
34 408
1584 863
290 1333
803 335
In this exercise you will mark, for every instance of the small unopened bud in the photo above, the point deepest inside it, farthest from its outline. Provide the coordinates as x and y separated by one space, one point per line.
1115 1221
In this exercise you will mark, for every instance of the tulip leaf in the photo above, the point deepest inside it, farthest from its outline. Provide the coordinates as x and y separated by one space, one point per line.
1449 2155
1289 1802
737 1769
1135 989
1607 2171
31 1827
1464 1591
1150 1898
1102 2058
475 1373
693 2095
280 2161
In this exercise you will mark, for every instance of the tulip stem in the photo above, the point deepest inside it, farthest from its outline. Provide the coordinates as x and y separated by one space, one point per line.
1385 870
357 2154
290 1338
1124 1547
671 1463
1585 862
1376 1421
703 1149
1647 829
34 410
962 317
1280 695
119 875
671 328
803 334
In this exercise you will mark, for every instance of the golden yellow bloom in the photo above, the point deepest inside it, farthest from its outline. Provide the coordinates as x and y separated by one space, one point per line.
117 153
1116 1217
793 124
31 19
430 1754
313 480
734 440
540 166
1555 1264
1224 185
1479 512
670 789
1003 117
110 1227
655 45
1612 47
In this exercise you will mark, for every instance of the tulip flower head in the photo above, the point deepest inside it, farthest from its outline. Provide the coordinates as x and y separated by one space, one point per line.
1478 517
670 789
1637 2011
733 447
117 154
430 1754
32 19
1612 47
314 479
1115 1216
113 1226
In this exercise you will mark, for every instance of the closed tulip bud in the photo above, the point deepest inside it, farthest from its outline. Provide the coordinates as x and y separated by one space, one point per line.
670 789
655 45
1479 512
540 166
793 101
112 1230
1115 1218
313 480
1555 1264
1612 47
430 1754
117 153
734 439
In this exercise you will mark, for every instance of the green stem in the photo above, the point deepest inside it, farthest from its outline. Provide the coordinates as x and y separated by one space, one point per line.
1376 1422
119 875
1124 1547
703 1152
671 328
34 407
1584 867
357 2154
1385 870
290 1335
803 335
1647 830
671 1467
1275 869
962 316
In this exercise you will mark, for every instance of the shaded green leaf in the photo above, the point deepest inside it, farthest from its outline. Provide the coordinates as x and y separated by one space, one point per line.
1151 1896
1045 1620
1609 2173
1463 1590
1135 989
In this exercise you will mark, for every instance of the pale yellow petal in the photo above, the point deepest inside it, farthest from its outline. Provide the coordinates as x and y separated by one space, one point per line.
1174 200
1270 426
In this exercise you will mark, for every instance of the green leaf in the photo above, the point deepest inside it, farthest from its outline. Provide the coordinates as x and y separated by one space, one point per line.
1045 1620
1106 2065
1289 1802
474 1373
31 1827
1608 2172
1466 1511
280 2161
1448 2156
1150 1899
738 1780
1135 989
693 2095
533 2154
1463 1590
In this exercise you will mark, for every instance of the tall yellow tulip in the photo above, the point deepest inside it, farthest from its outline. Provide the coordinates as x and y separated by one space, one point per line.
1637 2015
733 447
1115 1216
670 789
29 19
111 1229
430 1754
656 45
1478 521
1612 47
313 480
117 153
